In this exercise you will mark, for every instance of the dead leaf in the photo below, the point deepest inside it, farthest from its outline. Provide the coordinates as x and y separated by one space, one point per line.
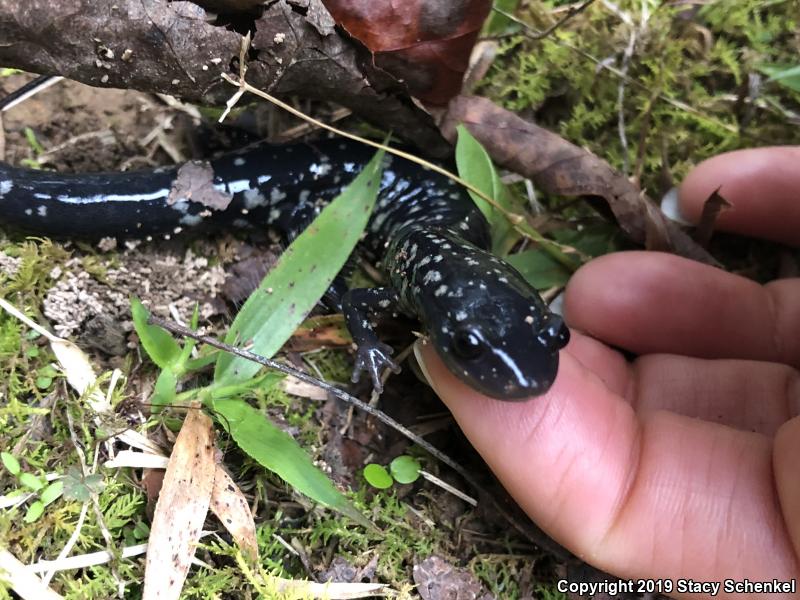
438 580
194 182
559 167
230 506
181 509
325 331
713 205
424 43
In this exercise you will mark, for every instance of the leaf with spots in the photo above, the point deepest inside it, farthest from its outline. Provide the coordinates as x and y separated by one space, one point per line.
181 509
424 43
301 276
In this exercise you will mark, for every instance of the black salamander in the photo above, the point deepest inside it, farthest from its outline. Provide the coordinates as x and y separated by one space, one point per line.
489 326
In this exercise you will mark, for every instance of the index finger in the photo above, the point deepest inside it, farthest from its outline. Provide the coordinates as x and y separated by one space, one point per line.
761 184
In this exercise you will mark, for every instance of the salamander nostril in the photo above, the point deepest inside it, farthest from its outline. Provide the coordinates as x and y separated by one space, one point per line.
555 333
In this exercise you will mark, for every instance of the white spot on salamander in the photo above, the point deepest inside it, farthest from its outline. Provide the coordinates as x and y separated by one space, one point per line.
431 277
461 315
41 211
191 220
29 211
239 161
277 194
320 170
5 187
440 291
254 198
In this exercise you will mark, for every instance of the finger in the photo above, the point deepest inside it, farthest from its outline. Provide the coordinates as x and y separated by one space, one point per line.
649 302
787 449
608 364
748 395
670 497
762 185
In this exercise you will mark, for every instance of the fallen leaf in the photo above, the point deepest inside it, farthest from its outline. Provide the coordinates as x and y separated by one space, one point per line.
438 580
181 509
713 205
194 182
559 167
424 43
230 506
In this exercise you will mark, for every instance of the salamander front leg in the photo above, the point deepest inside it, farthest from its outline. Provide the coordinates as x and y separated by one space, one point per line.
372 354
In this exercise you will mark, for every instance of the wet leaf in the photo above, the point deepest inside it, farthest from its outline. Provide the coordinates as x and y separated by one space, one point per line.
300 278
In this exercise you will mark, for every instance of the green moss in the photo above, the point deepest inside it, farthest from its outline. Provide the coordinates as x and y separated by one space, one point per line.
687 70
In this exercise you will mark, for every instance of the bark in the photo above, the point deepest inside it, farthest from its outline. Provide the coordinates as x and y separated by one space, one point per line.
173 48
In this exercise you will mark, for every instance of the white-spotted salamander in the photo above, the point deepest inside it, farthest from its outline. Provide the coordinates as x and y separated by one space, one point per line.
489 326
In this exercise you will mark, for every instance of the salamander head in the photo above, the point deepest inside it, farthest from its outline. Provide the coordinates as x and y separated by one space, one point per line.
498 336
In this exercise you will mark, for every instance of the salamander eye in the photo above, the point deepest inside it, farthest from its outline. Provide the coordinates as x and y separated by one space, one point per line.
467 344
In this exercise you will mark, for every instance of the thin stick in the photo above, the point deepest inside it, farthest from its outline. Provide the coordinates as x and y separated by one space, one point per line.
573 10
554 249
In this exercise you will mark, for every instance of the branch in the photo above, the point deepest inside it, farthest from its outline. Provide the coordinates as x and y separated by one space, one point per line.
172 48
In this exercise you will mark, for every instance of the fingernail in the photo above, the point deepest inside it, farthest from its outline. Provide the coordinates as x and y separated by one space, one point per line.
671 207
420 361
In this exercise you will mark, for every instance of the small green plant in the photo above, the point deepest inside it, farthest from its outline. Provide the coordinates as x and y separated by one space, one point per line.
403 469
31 484
265 322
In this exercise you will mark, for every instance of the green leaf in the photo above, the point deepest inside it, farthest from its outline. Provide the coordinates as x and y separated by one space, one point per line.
80 488
405 469
378 477
300 278
539 269
786 75
164 390
52 492
34 511
497 23
31 481
162 349
280 453
475 167
43 382
11 463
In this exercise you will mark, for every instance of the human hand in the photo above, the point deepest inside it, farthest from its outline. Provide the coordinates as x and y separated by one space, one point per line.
685 463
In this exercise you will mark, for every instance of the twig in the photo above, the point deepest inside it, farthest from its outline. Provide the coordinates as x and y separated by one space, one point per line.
571 12
381 416
554 249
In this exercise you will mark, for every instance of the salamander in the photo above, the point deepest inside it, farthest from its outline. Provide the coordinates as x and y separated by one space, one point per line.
489 326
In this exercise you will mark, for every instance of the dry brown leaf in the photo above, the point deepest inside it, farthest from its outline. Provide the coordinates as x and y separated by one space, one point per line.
560 167
230 506
181 508
424 43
